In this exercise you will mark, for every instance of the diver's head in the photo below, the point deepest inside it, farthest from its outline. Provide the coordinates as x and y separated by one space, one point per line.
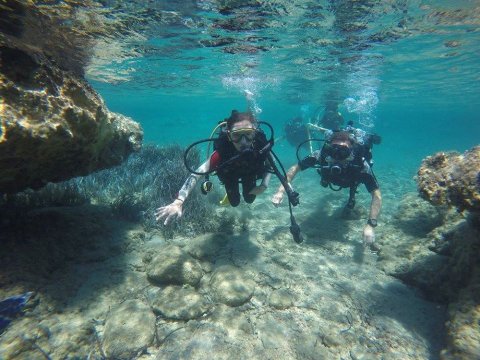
241 129
340 146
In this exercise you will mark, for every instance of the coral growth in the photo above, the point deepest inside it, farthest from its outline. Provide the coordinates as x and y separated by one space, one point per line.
451 178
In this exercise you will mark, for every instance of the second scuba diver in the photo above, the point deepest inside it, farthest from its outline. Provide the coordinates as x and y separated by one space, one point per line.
242 155
345 161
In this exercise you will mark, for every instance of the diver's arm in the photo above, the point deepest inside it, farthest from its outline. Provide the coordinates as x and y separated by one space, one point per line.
376 204
278 197
191 181
317 128
291 174
175 209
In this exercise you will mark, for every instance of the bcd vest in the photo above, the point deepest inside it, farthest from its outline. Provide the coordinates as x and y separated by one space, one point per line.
248 164
344 174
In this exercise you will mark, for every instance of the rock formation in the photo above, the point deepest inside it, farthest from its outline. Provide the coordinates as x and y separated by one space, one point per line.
54 126
452 179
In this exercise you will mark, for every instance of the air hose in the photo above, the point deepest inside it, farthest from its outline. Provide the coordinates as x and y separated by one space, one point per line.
272 158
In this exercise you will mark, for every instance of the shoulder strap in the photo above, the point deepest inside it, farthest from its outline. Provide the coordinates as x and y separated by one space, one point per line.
220 142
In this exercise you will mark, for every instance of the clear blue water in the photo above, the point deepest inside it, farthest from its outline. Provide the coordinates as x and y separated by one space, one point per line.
408 70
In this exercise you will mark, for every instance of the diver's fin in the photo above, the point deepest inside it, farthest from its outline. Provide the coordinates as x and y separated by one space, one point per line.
225 201
14 304
10 307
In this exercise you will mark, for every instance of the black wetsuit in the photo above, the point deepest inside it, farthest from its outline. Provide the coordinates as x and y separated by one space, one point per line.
346 174
234 167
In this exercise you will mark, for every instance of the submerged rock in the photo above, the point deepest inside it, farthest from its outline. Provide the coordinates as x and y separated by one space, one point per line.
452 179
231 286
54 126
172 265
178 303
281 299
206 246
129 330
464 325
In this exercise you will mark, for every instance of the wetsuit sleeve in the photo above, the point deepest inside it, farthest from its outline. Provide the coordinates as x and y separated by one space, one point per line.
370 182
214 160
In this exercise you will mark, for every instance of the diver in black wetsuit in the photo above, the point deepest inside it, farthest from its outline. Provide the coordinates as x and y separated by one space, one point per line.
241 136
242 155
345 161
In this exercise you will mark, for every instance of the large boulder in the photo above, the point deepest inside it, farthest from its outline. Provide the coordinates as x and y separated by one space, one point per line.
231 286
173 266
53 125
180 303
452 179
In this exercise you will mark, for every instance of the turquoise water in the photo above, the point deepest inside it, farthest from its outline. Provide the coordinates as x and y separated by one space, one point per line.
407 70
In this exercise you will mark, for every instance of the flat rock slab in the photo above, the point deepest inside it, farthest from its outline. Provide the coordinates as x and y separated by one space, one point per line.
129 330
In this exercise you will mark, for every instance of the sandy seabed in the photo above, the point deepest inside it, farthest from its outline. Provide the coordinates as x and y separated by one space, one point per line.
322 299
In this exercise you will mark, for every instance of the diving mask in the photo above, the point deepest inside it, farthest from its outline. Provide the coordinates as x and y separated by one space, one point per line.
339 152
237 135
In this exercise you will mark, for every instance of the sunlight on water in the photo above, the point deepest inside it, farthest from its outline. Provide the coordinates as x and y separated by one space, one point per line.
300 49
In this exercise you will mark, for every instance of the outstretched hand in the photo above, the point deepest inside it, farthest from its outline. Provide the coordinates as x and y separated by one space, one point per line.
368 235
169 212
277 198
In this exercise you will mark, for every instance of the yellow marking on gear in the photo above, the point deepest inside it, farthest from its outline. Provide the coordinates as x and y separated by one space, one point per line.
225 201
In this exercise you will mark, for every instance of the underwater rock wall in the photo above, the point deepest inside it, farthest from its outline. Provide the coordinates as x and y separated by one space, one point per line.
435 245
54 126
454 179
437 250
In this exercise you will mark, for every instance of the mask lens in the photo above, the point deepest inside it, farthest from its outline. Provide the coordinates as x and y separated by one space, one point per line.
339 152
236 135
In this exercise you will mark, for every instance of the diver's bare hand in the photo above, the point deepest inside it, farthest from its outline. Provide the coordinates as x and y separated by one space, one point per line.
277 198
368 235
169 212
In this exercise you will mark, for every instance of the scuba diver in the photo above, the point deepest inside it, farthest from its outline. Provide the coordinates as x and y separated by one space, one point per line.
332 118
242 155
345 161
12 307
296 131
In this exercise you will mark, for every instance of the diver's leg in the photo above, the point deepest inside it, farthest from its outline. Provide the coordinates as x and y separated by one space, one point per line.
233 193
247 185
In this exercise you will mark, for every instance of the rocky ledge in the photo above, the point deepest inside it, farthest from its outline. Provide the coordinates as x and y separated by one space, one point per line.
453 263
54 126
